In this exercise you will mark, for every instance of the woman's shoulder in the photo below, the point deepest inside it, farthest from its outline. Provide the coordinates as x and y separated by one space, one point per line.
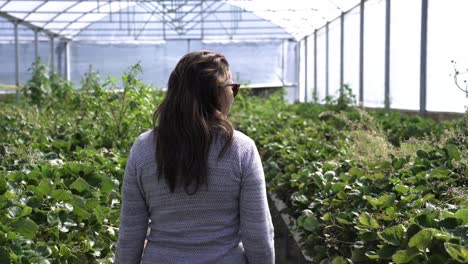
144 140
242 141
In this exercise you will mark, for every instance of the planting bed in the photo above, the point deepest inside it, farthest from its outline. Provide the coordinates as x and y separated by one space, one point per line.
358 187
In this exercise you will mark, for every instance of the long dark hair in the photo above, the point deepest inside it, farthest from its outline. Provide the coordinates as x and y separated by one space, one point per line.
190 117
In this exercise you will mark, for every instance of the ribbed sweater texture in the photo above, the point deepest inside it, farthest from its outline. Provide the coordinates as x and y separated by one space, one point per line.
228 221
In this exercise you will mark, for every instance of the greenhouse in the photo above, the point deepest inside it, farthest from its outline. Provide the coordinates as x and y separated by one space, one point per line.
358 109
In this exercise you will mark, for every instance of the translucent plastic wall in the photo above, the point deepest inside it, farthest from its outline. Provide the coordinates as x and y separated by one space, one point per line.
405 45
260 63
250 62
26 52
374 51
446 42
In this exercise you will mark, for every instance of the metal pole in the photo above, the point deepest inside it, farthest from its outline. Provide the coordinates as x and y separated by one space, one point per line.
67 60
342 53
387 54
202 33
17 82
52 51
327 53
361 54
423 91
306 83
283 54
36 44
298 69
315 65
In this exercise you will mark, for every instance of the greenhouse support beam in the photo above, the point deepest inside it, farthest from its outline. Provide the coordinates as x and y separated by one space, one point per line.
298 68
361 54
24 23
422 81
306 81
387 54
52 51
283 59
17 82
66 45
315 65
341 52
327 57
36 44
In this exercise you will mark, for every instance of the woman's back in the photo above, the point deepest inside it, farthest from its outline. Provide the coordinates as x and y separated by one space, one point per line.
213 225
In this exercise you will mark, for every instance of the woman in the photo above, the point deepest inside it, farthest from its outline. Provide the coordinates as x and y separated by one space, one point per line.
198 181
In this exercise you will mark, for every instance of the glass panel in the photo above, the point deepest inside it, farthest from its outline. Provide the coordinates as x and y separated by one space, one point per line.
56 6
405 43
67 17
310 68
351 51
21 6
56 25
443 46
374 53
302 73
321 64
41 16
20 15
78 25
92 17
334 58
84 6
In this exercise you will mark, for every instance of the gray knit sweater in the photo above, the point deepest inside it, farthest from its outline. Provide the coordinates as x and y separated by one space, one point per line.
227 222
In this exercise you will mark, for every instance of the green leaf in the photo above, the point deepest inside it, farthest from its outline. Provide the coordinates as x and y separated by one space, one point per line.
311 223
81 213
45 187
440 173
26 227
336 187
405 256
26 211
426 220
339 260
463 215
297 197
373 201
367 220
453 152
64 250
403 189
80 185
393 235
421 240
62 195
355 171
386 200
457 252
14 211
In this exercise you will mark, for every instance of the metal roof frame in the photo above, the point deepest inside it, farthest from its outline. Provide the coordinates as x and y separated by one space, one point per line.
180 19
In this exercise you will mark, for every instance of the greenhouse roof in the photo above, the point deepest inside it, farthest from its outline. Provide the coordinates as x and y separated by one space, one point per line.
140 20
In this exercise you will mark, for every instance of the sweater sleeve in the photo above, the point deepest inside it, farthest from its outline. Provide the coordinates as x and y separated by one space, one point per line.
133 216
256 227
